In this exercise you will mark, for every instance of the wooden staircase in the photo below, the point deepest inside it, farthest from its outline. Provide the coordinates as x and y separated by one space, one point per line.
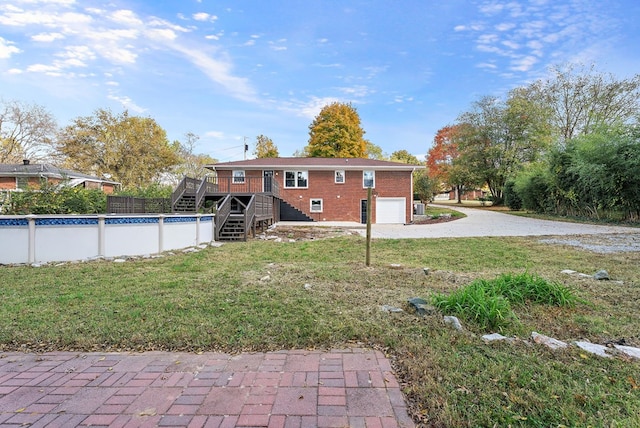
233 229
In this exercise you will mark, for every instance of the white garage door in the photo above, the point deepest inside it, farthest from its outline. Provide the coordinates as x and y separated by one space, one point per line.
390 210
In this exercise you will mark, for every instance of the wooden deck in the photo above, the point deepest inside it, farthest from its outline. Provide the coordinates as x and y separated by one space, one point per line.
240 206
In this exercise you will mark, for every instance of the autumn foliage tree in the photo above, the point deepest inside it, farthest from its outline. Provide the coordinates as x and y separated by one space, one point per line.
129 149
444 165
265 148
26 132
336 133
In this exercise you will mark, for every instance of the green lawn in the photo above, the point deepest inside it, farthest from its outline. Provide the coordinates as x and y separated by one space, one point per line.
252 296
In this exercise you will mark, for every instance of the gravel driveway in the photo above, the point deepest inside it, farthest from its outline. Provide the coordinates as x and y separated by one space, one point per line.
491 223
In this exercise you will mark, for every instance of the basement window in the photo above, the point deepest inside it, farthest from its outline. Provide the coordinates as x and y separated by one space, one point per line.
316 205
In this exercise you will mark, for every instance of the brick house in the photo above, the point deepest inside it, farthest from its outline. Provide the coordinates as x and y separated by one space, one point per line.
329 189
16 177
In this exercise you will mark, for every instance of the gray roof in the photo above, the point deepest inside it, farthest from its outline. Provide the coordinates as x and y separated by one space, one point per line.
316 163
46 170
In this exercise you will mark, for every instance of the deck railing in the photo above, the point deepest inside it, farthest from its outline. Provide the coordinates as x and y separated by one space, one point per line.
207 186
249 215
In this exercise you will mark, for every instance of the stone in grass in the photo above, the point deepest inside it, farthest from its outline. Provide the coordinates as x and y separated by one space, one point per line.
389 308
395 266
629 351
493 337
453 322
593 348
308 286
421 306
119 261
568 272
601 275
547 341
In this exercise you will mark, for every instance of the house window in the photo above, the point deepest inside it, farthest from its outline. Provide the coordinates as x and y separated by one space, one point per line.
22 183
368 179
316 205
238 176
339 177
296 179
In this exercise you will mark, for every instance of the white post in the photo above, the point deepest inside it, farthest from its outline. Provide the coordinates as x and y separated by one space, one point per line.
198 228
101 236
161 233
32 238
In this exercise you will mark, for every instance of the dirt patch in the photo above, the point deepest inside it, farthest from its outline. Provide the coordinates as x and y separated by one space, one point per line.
303 233
425 219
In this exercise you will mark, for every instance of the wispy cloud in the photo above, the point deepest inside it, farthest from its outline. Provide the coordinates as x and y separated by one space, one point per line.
106 37
7 49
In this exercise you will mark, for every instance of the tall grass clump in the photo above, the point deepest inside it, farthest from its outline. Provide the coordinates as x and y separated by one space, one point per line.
487 303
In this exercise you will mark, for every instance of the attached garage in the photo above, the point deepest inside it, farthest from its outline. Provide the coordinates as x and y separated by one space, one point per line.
391 210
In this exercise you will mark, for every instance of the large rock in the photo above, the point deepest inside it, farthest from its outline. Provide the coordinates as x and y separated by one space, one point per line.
453 322
547 341
601 275
421 306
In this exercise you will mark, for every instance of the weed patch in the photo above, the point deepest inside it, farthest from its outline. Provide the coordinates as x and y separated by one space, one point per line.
487 303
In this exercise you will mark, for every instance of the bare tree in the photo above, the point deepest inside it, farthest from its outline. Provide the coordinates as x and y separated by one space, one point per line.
26 132
581 100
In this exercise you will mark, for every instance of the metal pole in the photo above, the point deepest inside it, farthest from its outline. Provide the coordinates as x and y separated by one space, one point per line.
368 258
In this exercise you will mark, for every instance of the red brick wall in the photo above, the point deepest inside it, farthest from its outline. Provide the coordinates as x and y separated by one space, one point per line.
341 202
7 183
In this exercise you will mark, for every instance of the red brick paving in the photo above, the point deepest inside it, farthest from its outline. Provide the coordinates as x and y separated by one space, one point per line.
286 389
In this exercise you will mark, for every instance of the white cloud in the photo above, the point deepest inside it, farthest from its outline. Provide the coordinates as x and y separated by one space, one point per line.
47 37
218 71
127 103
524 64
204 17
510 44
311 108
358 91
486 65
7 48
219 135
126 17
14 71
505 26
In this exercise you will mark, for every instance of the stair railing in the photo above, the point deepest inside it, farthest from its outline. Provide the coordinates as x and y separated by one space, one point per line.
188 186
249 215
222 214
207 185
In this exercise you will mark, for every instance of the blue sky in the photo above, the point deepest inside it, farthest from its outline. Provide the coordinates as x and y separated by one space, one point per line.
226 70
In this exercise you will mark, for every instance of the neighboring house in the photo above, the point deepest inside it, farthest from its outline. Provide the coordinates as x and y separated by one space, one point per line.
17 177
327 189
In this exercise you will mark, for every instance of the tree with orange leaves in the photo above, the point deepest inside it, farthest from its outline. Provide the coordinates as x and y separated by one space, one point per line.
443 163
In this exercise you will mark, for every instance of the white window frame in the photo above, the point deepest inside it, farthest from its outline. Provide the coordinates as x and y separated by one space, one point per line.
297 176
337 173
239 176
364 179
22 183
317 200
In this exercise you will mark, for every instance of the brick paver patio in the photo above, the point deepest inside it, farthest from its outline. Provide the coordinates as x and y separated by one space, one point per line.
341 388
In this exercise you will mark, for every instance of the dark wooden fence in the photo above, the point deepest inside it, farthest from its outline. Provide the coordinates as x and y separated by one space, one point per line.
131 205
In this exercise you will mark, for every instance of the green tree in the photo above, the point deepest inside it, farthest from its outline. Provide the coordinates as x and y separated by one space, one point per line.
374 151
265 148
496 138
336 133
26 132
129 149
404 156
424 186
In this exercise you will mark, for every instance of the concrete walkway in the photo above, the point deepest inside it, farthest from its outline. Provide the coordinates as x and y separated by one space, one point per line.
349 387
